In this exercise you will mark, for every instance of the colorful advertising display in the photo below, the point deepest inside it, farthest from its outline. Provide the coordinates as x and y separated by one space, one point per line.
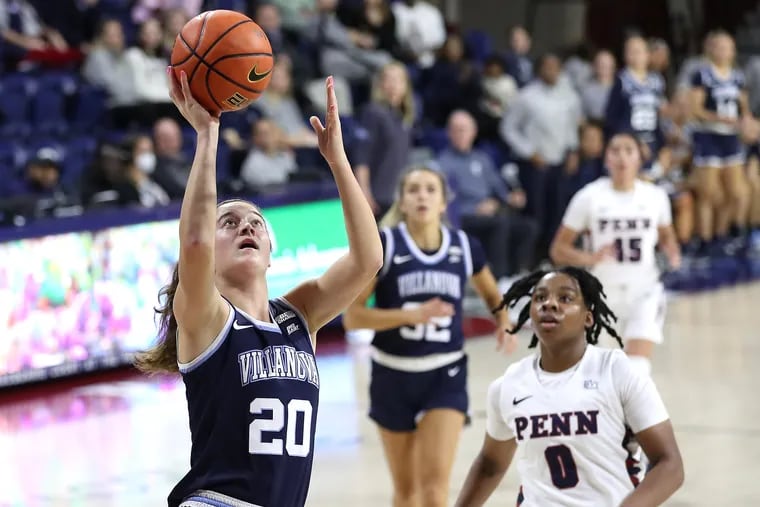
83 301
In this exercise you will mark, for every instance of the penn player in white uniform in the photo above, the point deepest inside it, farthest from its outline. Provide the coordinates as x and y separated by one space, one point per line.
247 362
626 220
573 414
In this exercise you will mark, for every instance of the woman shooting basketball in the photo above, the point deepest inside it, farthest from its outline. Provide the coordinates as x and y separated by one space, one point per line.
248 361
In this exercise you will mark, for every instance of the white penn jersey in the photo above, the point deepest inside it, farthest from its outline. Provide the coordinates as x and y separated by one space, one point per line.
574 429
626 220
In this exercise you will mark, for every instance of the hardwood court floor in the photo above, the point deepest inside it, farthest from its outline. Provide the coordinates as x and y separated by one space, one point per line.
125 443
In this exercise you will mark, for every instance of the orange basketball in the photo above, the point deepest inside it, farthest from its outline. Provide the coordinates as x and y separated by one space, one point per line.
227 58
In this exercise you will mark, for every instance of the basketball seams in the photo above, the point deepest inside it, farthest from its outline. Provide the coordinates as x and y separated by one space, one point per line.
202 58
227 78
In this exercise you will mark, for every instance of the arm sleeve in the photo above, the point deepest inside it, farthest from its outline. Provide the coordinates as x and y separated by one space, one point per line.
577 213
496 427
642 404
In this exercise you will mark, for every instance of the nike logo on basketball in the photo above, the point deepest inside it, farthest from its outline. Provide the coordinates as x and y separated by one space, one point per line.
515 401
238 326
254 76
400 259
453 371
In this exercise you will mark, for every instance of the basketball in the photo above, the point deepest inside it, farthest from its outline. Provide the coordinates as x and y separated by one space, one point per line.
227 58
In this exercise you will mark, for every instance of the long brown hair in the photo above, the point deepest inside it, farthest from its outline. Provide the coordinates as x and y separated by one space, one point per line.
393 216
162 357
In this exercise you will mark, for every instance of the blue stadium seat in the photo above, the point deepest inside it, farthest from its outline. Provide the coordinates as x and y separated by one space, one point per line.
437 139
89 114
15 92
478 44
54 93
80 152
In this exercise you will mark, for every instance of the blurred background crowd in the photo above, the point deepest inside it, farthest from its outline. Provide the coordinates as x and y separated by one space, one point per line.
86 120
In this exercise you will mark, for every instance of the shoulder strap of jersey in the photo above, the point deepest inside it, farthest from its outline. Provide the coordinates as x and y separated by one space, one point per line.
390 245
464 241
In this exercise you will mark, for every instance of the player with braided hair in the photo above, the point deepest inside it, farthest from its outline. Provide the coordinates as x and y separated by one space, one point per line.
577 412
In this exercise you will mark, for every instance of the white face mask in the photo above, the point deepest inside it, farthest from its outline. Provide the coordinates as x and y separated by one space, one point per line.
146 162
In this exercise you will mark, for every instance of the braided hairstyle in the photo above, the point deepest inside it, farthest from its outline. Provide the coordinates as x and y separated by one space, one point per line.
593 297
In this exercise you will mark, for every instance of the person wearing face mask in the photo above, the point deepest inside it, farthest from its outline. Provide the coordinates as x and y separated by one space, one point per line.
139 169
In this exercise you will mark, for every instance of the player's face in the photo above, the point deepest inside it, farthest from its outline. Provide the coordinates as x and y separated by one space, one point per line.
422 198
636 53
623 159
242 239
723 50
557 310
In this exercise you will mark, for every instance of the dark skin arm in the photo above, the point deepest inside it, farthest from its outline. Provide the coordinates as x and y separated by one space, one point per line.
486 471
666 474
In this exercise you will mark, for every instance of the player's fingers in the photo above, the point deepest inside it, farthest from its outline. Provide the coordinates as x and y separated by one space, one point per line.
332 100
185 86
316 124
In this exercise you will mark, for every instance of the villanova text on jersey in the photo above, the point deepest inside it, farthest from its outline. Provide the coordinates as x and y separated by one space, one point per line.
252 401
409 277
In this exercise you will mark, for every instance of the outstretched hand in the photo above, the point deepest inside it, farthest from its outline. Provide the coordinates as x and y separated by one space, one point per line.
330 135
194 113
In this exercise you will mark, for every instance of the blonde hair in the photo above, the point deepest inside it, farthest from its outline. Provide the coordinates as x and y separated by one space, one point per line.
408 112
394 216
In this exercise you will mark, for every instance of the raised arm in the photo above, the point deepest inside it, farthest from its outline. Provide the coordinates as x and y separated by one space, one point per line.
198 307
323 298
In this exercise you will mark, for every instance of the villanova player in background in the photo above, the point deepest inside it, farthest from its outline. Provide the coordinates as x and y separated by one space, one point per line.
719 104
626 220
573 408
635 102
418 390
248 363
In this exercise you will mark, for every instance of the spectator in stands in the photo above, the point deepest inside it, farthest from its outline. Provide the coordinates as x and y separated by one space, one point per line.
498 91
489 209
577 66
147 66
517 59
453 82
386 143
143 10
590 163
121 175
173 20
541 128
296 14
279 105
420 30
375 19
594 94
285 44
172 166
106 66
27 42
40 191
341 51
269 161
139 169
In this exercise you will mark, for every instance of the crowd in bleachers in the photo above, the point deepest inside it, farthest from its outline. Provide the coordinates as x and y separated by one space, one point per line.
86 120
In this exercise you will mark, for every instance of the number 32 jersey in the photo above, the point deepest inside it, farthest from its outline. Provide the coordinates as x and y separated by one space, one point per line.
409 277
628 221
574 430
252 401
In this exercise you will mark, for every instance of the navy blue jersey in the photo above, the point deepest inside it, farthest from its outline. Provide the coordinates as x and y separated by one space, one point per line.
410 276
252 400
634 106
721 96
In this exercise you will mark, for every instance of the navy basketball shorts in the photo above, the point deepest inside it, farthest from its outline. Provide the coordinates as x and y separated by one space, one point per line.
717 150
399 399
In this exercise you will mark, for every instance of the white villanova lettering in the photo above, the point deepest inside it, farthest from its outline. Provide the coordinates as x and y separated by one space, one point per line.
277 362
430 282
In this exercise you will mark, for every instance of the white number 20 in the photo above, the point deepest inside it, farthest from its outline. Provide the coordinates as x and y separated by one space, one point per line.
275 424
437 330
